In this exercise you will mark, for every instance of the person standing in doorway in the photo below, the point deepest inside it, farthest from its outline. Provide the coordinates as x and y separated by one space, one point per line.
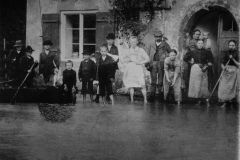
228 86
13 63
157 53
48 62
198 82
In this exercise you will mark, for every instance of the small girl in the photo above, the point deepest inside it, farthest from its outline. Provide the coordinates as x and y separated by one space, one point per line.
69 83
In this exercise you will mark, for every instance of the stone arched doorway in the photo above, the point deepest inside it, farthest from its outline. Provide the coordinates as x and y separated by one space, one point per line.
221 25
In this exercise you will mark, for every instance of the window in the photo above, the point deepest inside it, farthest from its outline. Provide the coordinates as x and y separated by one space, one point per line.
78 34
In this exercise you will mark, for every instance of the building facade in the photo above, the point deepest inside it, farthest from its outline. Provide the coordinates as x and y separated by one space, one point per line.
76 25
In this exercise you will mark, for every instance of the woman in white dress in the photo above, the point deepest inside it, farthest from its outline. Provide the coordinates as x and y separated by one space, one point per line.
134 72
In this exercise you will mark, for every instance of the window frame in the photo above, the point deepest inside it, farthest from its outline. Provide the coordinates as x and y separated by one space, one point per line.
63 15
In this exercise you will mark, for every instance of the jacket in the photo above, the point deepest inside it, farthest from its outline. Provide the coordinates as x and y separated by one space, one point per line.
47 63
164 50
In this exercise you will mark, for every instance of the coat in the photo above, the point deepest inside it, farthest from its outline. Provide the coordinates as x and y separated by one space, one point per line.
106 71
47 63
164 50
87 70
113 50
13 63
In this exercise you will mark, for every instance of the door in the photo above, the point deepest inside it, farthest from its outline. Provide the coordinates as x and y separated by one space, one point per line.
227 30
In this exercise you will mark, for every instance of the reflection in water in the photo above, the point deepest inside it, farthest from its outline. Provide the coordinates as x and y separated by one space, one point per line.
55 112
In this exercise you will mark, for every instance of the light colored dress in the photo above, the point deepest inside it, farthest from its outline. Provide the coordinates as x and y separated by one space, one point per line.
134 74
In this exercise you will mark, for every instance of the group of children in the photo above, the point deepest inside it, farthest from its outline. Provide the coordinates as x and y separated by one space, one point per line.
100 73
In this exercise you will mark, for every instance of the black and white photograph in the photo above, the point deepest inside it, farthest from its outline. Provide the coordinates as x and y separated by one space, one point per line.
119 79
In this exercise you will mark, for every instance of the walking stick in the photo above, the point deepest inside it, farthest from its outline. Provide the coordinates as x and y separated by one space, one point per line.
19 87
217 82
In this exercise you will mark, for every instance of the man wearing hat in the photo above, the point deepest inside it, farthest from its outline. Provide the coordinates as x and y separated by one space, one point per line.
13 62
157 52
26 63
48 61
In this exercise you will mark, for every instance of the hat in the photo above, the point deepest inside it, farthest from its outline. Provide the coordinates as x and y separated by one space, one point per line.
29 49
157 34
18 43
47 42
110 36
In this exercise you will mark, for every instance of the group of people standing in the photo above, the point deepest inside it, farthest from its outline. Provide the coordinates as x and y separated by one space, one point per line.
134 62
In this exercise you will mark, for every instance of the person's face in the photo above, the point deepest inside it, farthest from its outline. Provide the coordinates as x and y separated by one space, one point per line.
200 44
172 55
103 51
232 46
196 35
158 38
19 48
46 47
133 42
86 56
110 42
68 66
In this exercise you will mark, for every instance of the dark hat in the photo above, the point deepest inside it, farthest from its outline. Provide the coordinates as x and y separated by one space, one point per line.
18 43
47 42
86 53
110 36
29 49
158 33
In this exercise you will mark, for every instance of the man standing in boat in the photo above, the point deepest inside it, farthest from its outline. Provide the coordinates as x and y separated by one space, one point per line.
48 62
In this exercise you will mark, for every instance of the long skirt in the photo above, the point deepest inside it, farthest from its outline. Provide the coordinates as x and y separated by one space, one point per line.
133 76
176 87
198 83
228 86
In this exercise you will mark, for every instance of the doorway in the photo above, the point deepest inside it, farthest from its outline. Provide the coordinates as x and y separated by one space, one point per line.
221 27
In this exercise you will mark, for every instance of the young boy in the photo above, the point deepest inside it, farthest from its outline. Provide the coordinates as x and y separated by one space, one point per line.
26 62
86 75
69 83
105 74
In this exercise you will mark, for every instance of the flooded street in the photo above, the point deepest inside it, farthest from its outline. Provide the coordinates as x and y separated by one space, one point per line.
121 132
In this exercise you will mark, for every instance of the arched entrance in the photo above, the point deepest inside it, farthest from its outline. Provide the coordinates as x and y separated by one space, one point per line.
221 27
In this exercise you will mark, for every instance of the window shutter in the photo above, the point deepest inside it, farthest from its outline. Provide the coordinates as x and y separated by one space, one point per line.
104 25
51 28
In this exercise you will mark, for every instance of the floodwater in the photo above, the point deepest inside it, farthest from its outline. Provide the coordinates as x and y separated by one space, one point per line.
121 132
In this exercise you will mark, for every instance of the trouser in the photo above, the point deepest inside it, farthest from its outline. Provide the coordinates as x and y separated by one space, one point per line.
157 74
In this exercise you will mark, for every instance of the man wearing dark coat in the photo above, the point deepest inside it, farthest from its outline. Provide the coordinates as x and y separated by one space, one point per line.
157 52
26 62
13 60
48 61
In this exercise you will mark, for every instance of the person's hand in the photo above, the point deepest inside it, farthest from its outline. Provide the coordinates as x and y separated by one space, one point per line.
112 80
230 56
173 83
65 88
168 80
29 70
192 61
35 61
74 90
56 70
